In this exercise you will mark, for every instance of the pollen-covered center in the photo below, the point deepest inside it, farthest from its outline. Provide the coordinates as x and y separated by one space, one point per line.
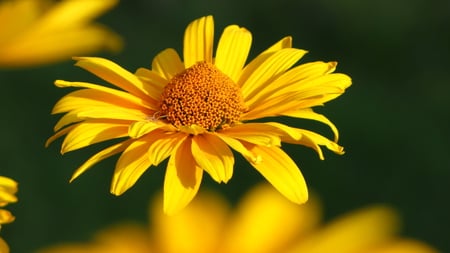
202 95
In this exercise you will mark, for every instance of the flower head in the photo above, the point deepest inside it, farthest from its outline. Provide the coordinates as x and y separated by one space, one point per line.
49 31
197 110
263 222
8 189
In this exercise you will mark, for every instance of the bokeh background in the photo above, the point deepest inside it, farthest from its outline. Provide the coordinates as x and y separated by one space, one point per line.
394 121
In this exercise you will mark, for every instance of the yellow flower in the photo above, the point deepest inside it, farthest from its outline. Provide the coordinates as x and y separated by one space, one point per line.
193 111
263 222
37 32
8 189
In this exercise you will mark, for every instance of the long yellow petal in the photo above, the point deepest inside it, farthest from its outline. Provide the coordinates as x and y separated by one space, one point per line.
91 132
80 13
100 111
131 165
92 96
214 156
281 171
292 78
155 83
141 128
232 51
239 147
163 145
206 215
167 64
182 179
265 221
114 74
198 41
256 133
314 141
267 70
359 231
49 48
100 156
308 113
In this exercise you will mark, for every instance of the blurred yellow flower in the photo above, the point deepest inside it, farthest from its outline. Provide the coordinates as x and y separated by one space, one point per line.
8 189
263 222
35 32
194 110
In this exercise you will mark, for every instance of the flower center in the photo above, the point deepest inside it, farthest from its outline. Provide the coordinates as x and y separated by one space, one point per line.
202 95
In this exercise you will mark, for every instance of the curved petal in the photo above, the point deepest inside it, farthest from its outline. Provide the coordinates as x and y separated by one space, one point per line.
114 74
131 165
167 64
91 132
363 230
140 128
198 41
48 48
239 147
308 113
256 133
281 171
314 141
206 216
6 217
80 12
155 83
264 215
163 144
286 42
99 111
232 51
90 97
267 70
214 156
292 80
182 179
100 156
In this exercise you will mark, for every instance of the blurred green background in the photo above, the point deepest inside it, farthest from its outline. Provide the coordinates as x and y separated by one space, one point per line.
394 121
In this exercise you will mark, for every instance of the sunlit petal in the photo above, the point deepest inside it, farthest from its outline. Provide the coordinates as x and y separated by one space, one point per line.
214 156
198 41
182 179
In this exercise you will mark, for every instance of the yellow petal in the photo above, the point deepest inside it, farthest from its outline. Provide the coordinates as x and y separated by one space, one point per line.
131 165
80 13
314 141
256 133
249 68
57 47
214 156
141 128
91 132
6 217
59 134
114 74
279 169
105 153
404 246
4 248
167 63
108 95
266 70
28 11
308 113
182 179
292 80
100 112
7 184
232 51
198 41
206 216
359 231
265 222
155 83
239 147
163 144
